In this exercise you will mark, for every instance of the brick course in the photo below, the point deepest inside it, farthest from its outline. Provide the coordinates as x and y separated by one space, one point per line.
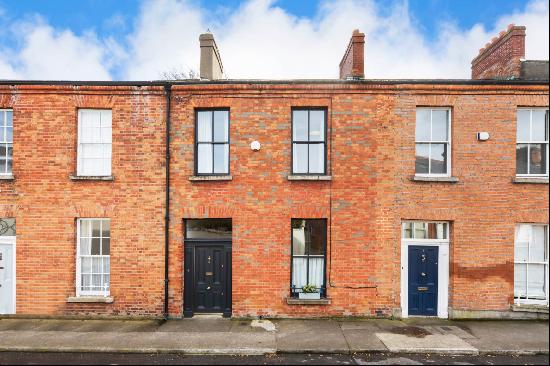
370 157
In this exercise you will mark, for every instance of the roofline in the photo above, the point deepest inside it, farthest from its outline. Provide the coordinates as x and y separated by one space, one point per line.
277 82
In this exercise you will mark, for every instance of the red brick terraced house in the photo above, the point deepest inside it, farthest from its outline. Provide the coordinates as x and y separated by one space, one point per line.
293 198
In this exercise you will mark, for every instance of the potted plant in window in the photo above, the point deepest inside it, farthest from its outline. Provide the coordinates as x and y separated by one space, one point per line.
309 292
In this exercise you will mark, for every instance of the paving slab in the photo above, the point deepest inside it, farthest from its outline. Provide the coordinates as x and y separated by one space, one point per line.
310 336
142 342
429 343
519 337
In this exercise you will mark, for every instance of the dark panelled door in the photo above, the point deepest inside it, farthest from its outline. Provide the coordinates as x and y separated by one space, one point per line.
210 279
423 277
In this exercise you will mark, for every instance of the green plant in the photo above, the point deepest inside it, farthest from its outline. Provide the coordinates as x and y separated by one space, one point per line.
309 289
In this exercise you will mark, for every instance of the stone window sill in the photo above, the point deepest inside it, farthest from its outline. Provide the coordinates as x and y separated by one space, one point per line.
309 177
103 177
208 178
530 180
530 308
295 301
420 178
91 299
7 177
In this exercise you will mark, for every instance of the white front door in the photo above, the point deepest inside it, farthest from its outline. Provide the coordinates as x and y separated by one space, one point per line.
7 277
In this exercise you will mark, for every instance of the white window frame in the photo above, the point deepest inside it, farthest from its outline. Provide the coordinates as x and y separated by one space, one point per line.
518 142
443 268
4 141
520 301
106 171
79 291
448 143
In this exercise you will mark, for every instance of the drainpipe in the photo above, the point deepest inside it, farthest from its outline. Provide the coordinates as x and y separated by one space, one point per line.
168 93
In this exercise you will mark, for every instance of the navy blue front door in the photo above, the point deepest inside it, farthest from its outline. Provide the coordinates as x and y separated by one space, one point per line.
423 270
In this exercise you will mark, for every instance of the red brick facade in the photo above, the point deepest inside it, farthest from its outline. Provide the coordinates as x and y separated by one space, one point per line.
371 158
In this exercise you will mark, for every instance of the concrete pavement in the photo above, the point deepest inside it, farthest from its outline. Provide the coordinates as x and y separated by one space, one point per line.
246 337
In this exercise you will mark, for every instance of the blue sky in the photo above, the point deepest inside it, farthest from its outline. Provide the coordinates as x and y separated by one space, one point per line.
114 32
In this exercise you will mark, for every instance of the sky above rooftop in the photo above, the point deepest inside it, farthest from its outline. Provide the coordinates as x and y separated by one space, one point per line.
274 39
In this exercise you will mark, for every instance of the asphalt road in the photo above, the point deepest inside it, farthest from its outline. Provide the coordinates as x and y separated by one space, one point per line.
29 358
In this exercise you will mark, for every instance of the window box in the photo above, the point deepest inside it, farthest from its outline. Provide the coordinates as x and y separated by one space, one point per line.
309 296
295 301
91 299
89 177
422 178
530 180
309 177
206 178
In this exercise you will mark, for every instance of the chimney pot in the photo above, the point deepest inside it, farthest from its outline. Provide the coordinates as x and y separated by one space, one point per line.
352 65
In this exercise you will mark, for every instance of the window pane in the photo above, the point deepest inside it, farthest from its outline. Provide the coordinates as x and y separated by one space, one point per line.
440 125
537 250
9 118
3 150
208 229
299 158
423 124
97 264
9 134
522 133
317 126
537 162
298 237
521 158
10 150
299 125
318 236
7 227
85 228
520 280
204 126
90 118
105 228
437 230
299 273
3 165
420 230
221 126
439 159
536 287
106 135
316 271
105 246
408 230
9 167
86 265
107 265
85 246
95 246
539 127
2 134
96 228
521 251
422 158
86 282
92 151
204 162
221 158
316 158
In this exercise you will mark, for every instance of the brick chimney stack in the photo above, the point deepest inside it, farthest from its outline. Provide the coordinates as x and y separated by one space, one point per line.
501 58
211 67
352 66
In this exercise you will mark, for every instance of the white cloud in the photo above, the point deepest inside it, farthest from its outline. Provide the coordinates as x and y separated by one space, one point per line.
47 53
261 40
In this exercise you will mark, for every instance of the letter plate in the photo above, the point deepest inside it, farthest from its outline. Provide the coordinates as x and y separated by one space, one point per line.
422 288
209 273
